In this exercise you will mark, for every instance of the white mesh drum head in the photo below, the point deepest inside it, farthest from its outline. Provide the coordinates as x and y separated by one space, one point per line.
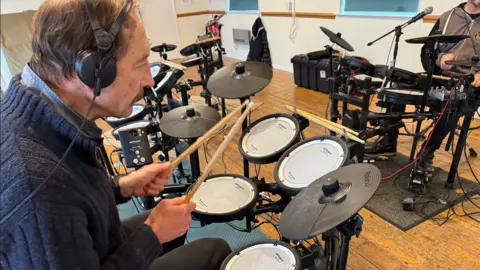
309 161
136 109
269 136
361 77
223 194
266 256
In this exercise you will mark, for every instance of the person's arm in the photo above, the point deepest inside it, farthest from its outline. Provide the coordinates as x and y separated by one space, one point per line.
59 237
425 54
147 181
120 197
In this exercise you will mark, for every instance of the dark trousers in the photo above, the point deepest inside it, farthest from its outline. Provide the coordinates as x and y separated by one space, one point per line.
203 254
445 125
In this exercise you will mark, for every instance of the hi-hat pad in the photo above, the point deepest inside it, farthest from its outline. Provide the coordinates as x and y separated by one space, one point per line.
335 38
329 201
437 38
240 80
164 48
189 122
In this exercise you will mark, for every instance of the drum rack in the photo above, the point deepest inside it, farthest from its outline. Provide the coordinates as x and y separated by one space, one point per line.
206 67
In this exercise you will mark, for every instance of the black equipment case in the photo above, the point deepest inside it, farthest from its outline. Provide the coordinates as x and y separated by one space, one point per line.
312 73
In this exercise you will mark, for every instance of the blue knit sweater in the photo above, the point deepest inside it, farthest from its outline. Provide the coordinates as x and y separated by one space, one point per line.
72 221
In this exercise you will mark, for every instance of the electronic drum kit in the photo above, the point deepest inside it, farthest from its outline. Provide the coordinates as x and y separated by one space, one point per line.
319 193
301 164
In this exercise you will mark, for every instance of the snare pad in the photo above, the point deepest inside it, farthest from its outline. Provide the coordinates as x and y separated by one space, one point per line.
261 256
309 160
266 139
224 194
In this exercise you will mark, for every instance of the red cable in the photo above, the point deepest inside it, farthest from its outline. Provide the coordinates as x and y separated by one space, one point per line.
428 139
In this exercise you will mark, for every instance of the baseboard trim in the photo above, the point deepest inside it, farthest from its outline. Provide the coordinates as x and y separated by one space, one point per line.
283 68
277 67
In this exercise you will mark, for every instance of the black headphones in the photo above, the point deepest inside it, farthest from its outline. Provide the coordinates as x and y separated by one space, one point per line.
98 69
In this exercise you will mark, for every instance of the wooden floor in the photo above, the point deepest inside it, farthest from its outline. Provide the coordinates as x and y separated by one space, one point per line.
455 245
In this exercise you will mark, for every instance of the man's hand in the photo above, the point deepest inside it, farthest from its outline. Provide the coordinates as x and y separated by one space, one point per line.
446 57
149 180
476 82
170 219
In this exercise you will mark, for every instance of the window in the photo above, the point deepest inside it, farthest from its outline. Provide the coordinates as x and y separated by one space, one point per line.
381 7
243 5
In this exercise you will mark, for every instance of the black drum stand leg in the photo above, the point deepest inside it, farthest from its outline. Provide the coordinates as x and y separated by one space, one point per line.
246 165
342 264
459 150
224 108
181 171
433 58
348 229
194 163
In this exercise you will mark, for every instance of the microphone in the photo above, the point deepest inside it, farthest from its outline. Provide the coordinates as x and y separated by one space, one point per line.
420 15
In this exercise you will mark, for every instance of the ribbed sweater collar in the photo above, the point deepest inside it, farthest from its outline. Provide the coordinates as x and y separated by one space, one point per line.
27 109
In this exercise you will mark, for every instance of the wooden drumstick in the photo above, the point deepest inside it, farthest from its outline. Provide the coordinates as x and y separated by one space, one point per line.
440 77
173 65
328 122
199 142
235 129
330 127
208 40
334 129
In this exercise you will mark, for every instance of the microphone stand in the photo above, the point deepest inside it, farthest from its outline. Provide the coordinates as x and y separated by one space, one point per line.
398 33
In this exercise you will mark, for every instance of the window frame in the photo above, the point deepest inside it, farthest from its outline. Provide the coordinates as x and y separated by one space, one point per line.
242 11
375 13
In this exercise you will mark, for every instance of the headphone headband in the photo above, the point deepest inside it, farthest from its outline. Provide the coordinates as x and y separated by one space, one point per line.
98 69
106 39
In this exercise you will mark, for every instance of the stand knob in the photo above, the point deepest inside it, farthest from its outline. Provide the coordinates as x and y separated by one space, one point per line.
240 68
331 186
190 112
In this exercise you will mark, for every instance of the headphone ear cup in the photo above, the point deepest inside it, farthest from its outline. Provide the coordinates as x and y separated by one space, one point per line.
109 72
85 66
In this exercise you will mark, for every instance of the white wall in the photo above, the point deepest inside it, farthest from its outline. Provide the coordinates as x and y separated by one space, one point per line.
8 7
357 30
15 6
192 26
161 25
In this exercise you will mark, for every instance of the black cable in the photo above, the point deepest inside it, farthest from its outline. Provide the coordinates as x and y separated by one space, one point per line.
111 163
469 215
244 230
134 204
141 206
